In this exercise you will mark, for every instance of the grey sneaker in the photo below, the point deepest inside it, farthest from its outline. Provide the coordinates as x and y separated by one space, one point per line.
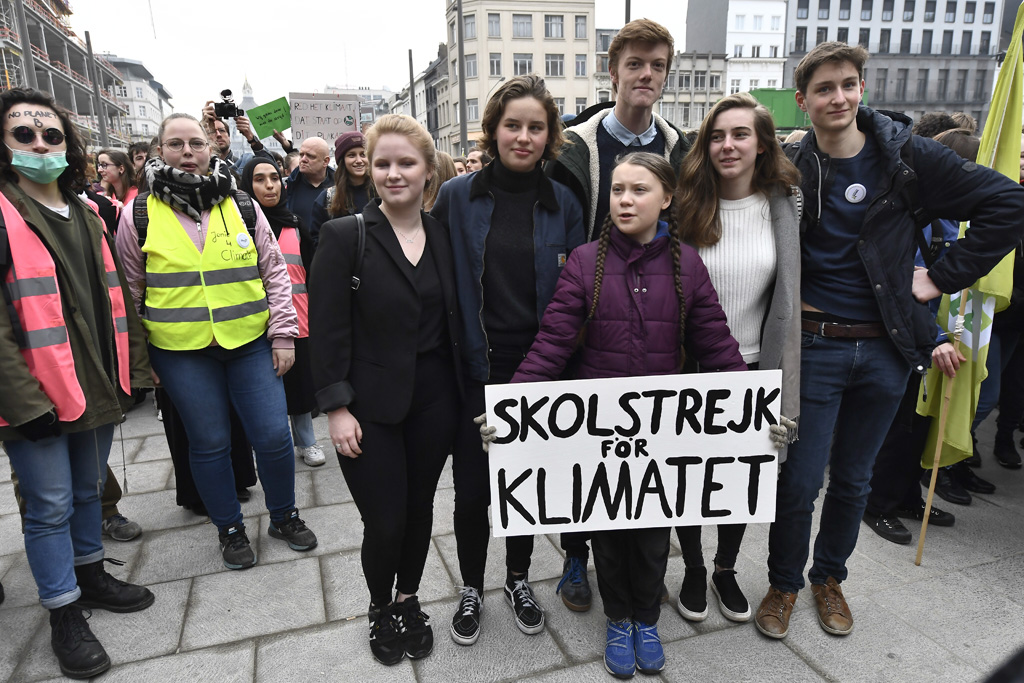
120 529
313 456
293 530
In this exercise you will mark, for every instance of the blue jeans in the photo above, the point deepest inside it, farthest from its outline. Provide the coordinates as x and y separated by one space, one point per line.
1000 351
850 391
201 384
302 430
58 482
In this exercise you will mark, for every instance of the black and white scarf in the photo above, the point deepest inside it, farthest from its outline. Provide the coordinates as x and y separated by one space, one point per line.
189 192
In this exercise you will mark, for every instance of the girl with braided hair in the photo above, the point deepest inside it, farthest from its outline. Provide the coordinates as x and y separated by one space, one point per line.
639 302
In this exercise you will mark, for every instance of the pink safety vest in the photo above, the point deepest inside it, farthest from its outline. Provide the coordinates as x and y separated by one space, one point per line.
289 243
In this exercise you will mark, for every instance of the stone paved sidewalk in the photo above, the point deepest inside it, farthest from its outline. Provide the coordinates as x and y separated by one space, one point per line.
301 617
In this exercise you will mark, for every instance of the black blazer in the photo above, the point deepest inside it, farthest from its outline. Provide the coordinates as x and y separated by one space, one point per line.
363 342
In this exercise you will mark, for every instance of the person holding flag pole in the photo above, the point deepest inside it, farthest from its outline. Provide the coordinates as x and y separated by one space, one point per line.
956 402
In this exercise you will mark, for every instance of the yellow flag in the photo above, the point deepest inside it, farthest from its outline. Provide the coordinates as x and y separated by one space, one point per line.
1000 150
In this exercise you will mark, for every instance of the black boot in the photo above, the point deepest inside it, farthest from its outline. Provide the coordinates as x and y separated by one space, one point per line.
79 653
103 591
969 480
975 459
1005 451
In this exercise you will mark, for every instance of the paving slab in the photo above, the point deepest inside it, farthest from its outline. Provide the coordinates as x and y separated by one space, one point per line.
336 652
157 510
142 422
19 625
259 601
8 503
737 654
153 448
228 664
584 673
19 586
329 485
256 505
143 477
11 542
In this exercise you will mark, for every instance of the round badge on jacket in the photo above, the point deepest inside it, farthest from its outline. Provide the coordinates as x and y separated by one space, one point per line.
243 238
856 193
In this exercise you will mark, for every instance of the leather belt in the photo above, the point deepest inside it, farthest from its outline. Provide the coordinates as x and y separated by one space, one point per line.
844 330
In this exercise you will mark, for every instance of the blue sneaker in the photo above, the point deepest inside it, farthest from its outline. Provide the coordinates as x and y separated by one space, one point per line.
650 658
619 658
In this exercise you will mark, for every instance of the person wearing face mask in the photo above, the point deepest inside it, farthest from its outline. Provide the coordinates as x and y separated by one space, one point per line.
71 350
353 186
262 180
216 302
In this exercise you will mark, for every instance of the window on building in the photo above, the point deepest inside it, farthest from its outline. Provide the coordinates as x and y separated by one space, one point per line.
922 85
755 51
602 63
471 66
776 23
668 111
715 83
473 109
493 25
990 10
881 80
905 37
926 42
823 6
129 127
145 129
455 70
908 10
671 83
773 83
553 27
121 91
929 11
737 50
821 35
843 34
758 22
755 83
986 43
142 111
865 10
138 92
522 26
969 10
603 41
901 84
698 112
734 86
469 27
887 9
800 44
495 63
965 43
522 64
700 80
581 104
802 8
560 103
604 96
685 80
980 83
942 84
773 51
961 85
581 65
883 40
947 42
684 114
740 21
452 38
950 11
554 65
581 27
864 38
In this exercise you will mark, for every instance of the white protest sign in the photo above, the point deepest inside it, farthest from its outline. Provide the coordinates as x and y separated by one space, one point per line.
322 115
667 450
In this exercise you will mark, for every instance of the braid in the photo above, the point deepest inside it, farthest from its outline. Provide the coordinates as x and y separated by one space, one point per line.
602 252
676 256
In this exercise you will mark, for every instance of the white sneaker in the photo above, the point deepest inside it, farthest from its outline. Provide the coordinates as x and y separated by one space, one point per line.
313 456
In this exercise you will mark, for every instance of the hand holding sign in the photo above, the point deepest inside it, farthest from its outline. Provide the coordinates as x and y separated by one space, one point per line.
486 432
271 116
783 433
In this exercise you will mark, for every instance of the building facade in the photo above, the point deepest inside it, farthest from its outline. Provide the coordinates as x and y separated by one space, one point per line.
926 55
694 83
146 100
755 44
48 55
506 38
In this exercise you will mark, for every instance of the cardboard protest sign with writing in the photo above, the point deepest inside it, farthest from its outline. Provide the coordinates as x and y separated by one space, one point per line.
269 117
667 450
320 115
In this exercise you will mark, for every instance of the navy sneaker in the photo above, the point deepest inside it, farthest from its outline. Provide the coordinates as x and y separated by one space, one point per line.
619 652
650 657
574 586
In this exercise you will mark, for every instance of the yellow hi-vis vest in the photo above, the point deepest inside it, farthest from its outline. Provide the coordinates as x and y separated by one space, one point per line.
193 298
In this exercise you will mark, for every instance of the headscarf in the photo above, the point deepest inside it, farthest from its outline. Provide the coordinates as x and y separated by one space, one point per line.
278 216
189 193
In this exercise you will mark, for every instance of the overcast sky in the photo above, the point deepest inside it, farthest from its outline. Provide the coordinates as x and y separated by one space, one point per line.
198 48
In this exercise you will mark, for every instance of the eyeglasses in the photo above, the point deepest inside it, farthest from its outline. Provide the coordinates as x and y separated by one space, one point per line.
27 136
197 144
103 166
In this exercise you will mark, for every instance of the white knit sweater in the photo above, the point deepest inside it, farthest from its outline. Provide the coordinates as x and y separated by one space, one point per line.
742 268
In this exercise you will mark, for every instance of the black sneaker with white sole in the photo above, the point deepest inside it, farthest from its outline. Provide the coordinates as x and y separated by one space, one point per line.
466 622
414 628
519 595
731 601
385 643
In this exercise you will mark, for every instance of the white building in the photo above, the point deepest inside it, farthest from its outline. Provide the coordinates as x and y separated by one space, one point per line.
506 38
148 102
755 42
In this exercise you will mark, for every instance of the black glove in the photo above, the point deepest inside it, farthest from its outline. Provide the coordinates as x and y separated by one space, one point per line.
41 427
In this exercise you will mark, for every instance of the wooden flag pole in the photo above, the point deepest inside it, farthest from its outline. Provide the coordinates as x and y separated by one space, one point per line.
943 415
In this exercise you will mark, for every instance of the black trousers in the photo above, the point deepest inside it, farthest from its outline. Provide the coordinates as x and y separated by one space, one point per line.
631 566
472 483
394 480
895 480
730 536
1011 394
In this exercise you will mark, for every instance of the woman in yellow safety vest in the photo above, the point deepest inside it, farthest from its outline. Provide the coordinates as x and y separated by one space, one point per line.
211 286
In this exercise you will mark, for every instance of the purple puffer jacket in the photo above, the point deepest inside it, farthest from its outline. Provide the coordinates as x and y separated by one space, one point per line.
635 330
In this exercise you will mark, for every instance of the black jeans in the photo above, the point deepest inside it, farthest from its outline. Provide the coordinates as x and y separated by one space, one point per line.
472 483
631 566
394 480
730 536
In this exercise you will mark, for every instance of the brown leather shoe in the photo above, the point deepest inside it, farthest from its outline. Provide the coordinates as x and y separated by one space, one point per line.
833 612
772 618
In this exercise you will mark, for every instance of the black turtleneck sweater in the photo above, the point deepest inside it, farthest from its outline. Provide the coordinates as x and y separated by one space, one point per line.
509 277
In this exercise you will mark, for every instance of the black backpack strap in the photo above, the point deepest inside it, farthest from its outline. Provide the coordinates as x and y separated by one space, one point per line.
357 267
245 207
140 216
910 188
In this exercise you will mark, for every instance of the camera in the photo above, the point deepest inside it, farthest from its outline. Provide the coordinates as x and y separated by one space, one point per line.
226 109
